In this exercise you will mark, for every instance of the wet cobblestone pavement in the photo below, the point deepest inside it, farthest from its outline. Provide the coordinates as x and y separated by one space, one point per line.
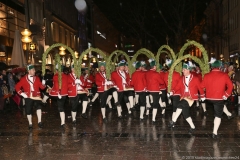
129 138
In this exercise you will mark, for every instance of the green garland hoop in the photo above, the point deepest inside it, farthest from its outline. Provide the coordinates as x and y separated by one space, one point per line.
144 51
44 56
201 48
58 62
161 50
172 69
87 52
109 60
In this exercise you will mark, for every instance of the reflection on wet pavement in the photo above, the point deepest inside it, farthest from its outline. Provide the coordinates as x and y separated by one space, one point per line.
118 139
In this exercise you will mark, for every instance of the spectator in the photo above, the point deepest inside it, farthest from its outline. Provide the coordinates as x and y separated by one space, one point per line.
11 83
1 93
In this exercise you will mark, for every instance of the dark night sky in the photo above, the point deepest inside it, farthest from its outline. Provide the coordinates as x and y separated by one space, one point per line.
152 20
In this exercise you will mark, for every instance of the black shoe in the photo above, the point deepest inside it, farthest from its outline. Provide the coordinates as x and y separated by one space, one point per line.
191 130
153 122
148 108
120 117
146 115
30 127
231 117
197 108
84 115
214 136
110 109
62 126
133 109
205 113
90 103
105 120
171 124
74 122
40 125
163 115
117 104
141 119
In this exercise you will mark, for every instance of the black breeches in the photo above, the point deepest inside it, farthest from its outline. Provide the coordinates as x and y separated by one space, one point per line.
30 103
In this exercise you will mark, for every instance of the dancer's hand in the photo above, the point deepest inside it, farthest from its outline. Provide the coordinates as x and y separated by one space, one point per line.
24 95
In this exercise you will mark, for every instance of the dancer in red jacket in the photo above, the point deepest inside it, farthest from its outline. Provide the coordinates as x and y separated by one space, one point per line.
119 79
163 90
154 81
218 88
28 88
175 78
139 83
76 92
61 92
188 87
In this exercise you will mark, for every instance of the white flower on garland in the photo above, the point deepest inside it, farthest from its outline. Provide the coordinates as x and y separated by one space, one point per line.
168 62
151 60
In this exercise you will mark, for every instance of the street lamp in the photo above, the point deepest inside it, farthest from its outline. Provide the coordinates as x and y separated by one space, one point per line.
62 51
80 5
26 33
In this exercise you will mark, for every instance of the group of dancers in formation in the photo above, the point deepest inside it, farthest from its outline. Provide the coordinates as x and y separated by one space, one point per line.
145 88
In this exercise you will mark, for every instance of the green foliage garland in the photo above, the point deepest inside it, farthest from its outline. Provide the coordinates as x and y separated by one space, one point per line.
109 60
58 62
144 51
87 52
201 48
44 56
161 50
172 69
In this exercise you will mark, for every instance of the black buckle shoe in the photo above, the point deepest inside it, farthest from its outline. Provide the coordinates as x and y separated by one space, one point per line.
231 117
74 122
105 120
62 126
205 113
163 115
90 104
133 109
191 130
30 127
171 124
153 122
214 136
40 125
84 115
120 117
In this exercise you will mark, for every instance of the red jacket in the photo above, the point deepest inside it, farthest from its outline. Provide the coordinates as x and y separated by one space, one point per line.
55 89
117 80
154 81
89 80
217 84
175 78
72 87
198 75
162 86
193 87
139 82
25 85
100 81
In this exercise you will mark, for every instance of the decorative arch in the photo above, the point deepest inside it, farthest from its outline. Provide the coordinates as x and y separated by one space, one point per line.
201 48
87 52
144 51
161 50
109 60
204 67
89 62
44 56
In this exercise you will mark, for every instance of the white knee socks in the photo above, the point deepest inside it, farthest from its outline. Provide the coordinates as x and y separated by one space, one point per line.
95 97
62 116
29 117
115 96
130 98
39 115
74 115
154 113
217 122
84 106
176 115
190 122
103 112
204 107
225 110
142 109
